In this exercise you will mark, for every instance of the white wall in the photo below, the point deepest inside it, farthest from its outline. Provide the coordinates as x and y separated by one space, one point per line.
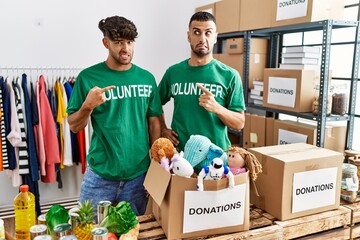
64 33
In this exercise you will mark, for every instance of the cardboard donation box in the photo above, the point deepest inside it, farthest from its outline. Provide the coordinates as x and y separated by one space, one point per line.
234 57
292 12
207 8
185 212
286 131
289 90
297 180
255 14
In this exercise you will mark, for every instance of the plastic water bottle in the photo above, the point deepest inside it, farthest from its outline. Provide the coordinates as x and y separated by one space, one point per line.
25 218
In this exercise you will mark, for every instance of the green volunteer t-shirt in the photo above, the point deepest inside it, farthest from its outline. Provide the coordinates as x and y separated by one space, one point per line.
189 118
119 148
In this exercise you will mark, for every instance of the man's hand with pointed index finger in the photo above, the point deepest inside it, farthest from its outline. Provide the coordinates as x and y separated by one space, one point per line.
207 100
96 96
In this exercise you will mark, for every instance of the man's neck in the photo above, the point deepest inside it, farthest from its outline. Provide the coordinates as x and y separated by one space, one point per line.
196 61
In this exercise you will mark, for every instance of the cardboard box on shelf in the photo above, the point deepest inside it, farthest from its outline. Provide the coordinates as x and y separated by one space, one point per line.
293 12
255 14
246 130
297 180
290 90
207 8
234 57
269 131
227 14
257 131
243 15
185 212
287 131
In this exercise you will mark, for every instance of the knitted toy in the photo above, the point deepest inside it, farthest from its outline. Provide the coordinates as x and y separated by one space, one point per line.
215 172
162 150
180 166
200 151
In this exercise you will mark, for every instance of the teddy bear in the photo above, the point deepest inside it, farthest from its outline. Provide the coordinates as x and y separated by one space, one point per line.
161 151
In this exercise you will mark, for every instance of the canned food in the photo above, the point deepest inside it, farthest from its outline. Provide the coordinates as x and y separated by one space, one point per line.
73 220
69 237
43 237
38 230
42 219
99 233
61 230
102 209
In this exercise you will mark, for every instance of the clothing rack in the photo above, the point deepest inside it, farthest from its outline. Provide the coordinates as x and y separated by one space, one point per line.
34 72
10 68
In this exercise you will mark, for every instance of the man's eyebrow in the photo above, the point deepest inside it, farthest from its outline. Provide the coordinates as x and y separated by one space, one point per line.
206 29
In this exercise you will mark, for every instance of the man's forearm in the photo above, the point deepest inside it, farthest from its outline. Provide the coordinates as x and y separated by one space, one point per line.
234 120
78 120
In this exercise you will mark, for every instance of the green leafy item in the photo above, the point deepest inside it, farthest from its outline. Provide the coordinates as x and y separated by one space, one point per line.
57 214
120 219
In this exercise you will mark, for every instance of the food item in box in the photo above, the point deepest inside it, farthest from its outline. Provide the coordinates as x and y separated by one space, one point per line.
349 183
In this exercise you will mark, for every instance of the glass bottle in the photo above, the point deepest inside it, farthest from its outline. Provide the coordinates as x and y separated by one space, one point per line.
339 101
349 182
25 217
315 103
2 229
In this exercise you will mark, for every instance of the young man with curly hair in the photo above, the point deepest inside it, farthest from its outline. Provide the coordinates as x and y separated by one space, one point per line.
122 102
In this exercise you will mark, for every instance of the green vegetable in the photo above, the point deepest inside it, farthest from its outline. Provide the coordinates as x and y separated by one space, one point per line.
120 219
57 214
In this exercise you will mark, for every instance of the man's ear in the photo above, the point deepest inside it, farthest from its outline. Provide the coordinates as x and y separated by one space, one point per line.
188 36
105 42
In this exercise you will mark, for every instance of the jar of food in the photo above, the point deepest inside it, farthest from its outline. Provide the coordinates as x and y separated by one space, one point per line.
315 103
339 100
349 182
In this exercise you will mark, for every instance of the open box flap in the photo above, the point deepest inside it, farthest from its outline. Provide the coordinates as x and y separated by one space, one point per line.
157 181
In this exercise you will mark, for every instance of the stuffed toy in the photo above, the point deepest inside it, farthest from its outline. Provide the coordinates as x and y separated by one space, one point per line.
215 172
180 166
199 151
162 150
240 160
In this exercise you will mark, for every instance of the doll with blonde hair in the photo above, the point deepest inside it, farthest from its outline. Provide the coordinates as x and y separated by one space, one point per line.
240 160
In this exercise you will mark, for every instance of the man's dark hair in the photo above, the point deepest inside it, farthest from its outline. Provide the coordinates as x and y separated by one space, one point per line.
202 17
116 27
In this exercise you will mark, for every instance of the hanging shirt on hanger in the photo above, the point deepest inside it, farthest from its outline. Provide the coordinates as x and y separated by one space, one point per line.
4 153
22 146
14 137
33 159
51 145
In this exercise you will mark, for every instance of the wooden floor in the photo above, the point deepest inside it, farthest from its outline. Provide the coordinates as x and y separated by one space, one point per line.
335 224
342 223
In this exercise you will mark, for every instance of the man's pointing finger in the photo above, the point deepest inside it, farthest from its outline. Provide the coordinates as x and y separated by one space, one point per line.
107 88
207 92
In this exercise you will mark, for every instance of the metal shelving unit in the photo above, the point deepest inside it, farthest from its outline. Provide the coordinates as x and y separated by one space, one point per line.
275 36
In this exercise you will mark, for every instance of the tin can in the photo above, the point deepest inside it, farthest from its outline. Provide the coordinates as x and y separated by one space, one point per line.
41 219
61 230
69 237
102 209
37 230
43 237
99 233
73 220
